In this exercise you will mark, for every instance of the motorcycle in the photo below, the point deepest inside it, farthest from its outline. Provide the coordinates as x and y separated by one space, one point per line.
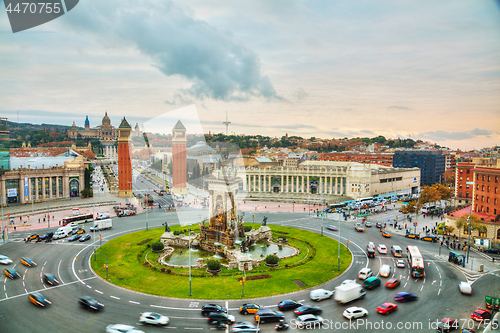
281 326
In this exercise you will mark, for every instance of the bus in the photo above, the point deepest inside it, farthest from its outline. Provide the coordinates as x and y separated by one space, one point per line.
331 208
179 198
416 261
148 200
83 218
427 208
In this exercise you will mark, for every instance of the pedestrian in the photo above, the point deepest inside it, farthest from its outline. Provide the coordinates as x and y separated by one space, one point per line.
38 220
436 224
59 222
44 219
14 228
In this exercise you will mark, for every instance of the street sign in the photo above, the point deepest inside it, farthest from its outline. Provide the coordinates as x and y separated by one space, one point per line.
492 300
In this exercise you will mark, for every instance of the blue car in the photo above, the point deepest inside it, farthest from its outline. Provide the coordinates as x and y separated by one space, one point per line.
405 297
74 237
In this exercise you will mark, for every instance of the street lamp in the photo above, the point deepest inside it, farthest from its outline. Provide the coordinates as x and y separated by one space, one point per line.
339 246
468 241
189 248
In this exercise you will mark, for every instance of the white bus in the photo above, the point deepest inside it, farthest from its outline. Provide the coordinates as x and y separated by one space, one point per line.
427 208
416 261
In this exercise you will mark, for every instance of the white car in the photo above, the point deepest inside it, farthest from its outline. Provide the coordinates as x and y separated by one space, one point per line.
4 260
320 294
309 321
370 245
355 312
465 288
400 263
153 319
382 249
365 273
385 270
348 281
119 328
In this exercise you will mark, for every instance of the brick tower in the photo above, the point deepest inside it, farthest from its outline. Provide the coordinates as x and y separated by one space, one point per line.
124 163
179 167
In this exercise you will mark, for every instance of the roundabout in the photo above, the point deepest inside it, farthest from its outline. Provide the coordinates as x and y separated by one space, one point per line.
133 265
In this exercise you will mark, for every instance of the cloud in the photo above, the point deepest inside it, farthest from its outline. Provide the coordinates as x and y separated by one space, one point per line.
215 64
465 135
398 107
300 94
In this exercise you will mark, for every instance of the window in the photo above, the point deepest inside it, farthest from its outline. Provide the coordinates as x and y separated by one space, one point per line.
483 232
482 188
466 229
460 186
461 179
468 171
482 198
489 179
461 171
488 188
460 193
483 178
496 189
487 209
498 234
466 194
488 199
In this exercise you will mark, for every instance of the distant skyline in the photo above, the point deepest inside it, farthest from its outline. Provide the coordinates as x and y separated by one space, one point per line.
425 70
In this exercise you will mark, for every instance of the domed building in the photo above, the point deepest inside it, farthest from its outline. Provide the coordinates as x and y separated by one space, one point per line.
105 132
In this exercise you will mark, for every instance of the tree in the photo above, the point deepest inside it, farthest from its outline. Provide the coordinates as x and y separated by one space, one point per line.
157 246
449 177
272 259
213 265
463 222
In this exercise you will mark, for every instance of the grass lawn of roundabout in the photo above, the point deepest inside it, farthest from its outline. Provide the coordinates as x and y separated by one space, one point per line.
132 265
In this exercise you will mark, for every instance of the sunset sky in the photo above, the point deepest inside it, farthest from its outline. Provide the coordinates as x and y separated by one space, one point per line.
428 70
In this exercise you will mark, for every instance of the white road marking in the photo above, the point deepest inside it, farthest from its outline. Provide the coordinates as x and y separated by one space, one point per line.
58 267
97 291
44 264
171 308
433 282
114 297
424 280
134 302
439 291
23 284
422 288
6 296
4 287
193 328
440 283
89 286
25 290
405 285
440 275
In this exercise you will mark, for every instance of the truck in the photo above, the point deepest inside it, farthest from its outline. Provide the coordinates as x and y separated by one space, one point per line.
349 292
102 225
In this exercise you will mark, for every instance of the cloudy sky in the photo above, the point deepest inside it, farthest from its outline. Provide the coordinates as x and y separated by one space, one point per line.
427 70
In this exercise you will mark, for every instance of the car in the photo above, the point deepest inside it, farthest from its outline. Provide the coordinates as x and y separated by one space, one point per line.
348 281
370 253
492 250
90 303
405 297
50 279
410 235
365 273
84 238
465 288
309 321
379 225
429 238
79 231
400 263
332 227
153 318
252 308
31 237
28 262
220 318
467 330
386 234
393 283
368 224
370 245
74 237
265 316
359 227
244 327
387 308
381 248
120 328
355 312
480 315
211 307
307 309
385 270
320 294
4 260
447 324
288 304
38 299
11 273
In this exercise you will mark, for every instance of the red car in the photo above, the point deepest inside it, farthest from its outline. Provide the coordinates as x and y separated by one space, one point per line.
480 314
387 308
447 324
392 283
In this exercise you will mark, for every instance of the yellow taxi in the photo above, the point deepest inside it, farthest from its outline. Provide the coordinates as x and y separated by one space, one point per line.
250 308
28 262
386 234
79 232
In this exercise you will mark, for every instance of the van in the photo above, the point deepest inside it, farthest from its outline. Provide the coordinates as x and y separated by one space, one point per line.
320 294
371 282
396 251
63 232
385 270
365 273
102 216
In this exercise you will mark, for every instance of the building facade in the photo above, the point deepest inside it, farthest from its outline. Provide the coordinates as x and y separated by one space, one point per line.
430 162
464 187
124 162
385 159
179 166
486 191
105 132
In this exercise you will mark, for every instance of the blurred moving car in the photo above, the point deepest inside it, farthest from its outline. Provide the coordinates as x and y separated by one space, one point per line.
387 308
28 262
38 299
393 283
385 270
50 279
359 227
465 288
405 296
332 227
365 273
74 237
220 318
4 260
400 263
84 238
31 237
307 309
386 234
381 248
11 273
320 294
244 327
288 304
90 303
309 321
211 307
447 324
119 328
265 316
252 308
368 224
154 318
355 312
480 315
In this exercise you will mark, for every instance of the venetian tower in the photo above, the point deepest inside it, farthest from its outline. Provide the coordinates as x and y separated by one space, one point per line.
124 162
179 166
